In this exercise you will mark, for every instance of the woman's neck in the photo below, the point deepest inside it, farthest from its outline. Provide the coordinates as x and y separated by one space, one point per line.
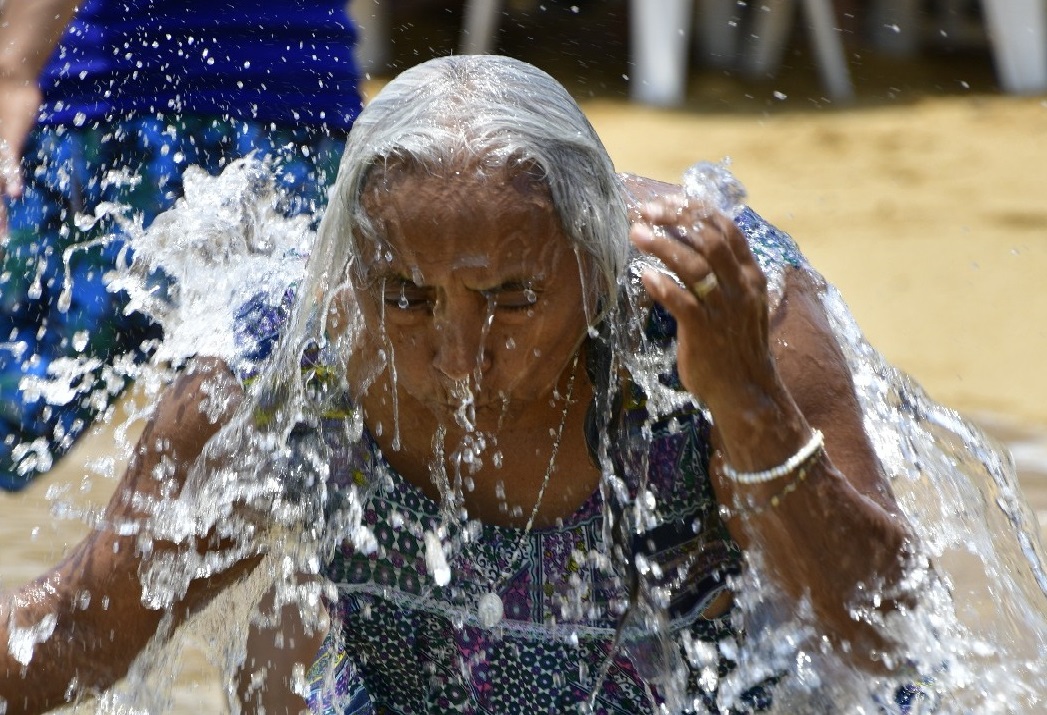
501 485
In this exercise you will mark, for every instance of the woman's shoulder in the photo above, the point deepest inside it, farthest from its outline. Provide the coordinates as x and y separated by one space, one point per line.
715 185
204 395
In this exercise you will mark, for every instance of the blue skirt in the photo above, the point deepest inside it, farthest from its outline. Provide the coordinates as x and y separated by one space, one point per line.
67 173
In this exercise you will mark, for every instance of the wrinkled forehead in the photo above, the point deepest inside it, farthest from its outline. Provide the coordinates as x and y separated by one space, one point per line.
486 176
452 191
505 211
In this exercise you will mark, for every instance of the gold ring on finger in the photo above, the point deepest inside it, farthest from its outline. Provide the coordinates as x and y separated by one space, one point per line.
704 286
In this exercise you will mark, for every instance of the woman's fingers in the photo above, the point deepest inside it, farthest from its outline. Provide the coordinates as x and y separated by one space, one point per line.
693 243
667 292
705 276
682 258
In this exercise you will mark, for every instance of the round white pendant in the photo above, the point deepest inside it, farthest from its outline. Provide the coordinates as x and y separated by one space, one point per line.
490 610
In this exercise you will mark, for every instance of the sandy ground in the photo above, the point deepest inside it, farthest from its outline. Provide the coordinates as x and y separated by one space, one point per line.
928 214
928 217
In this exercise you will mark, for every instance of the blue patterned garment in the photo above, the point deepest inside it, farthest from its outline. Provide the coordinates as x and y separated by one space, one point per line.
283 62
67 174
136 91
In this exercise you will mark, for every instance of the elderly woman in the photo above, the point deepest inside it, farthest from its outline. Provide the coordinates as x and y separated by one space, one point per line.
556 470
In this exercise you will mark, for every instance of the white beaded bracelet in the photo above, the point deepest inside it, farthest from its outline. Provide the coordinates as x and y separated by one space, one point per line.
805 453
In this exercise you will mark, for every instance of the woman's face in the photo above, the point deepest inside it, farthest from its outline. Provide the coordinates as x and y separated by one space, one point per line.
476 292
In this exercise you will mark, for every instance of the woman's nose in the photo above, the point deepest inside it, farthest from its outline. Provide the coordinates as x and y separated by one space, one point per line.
459 347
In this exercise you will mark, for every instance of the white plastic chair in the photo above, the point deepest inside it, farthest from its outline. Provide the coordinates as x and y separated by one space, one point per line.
479 27
1018 35
660 35
372 18
1017 32
767 43
660 32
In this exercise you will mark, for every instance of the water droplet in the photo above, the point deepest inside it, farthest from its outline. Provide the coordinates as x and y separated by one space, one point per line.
22 642
436 559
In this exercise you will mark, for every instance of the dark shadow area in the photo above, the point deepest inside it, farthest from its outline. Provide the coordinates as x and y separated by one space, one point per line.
585 45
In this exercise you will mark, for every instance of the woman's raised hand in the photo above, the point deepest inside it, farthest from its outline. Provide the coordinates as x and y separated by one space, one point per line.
720 302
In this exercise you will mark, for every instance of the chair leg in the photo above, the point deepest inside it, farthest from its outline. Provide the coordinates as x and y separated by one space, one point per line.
895 26
1018 34
770 33
770 28
717 29
828 47
480 27
371 18
659 43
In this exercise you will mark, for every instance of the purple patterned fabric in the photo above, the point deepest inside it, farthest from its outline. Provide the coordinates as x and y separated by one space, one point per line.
404 644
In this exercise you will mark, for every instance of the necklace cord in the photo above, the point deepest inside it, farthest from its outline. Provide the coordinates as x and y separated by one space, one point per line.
548 470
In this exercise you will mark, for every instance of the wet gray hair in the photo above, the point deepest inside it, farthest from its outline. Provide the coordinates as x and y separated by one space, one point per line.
456 111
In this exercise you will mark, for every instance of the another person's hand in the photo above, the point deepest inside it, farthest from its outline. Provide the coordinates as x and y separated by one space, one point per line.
19 104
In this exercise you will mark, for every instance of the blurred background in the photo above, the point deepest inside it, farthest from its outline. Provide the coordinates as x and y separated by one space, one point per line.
727 51
901 142
896 140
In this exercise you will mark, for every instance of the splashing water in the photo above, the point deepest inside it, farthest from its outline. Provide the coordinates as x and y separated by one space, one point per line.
222 244
980 635
23 640
988 628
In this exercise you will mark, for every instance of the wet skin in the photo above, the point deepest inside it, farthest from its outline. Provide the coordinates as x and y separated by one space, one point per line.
482 300
466 252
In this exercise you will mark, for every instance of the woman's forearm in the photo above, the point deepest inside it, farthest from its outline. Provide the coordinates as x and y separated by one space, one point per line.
29 31
78 628
825 542
826 527
74 630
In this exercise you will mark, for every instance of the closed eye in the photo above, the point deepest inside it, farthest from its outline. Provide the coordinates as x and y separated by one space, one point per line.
513 296
404 294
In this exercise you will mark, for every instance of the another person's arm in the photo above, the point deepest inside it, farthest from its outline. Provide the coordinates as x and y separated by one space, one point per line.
29 31
90 605
770 381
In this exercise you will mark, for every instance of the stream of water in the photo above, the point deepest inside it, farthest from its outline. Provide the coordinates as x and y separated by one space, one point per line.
981 633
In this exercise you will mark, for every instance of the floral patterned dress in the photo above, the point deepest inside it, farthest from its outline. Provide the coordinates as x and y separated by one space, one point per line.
405 644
